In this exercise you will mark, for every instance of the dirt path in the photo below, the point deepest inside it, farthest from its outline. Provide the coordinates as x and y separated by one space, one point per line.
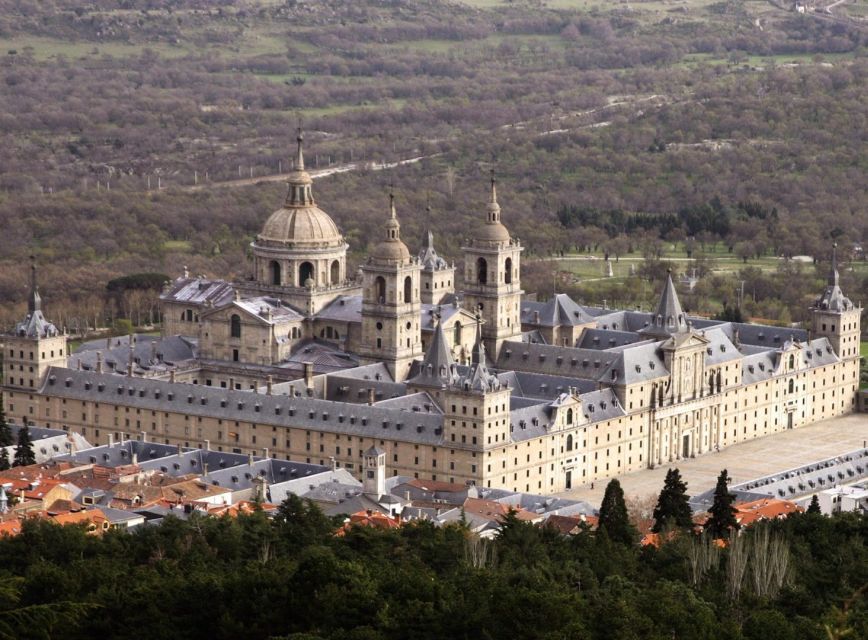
316 173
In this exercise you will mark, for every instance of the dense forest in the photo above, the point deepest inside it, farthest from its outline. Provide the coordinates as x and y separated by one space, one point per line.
291 577
733 122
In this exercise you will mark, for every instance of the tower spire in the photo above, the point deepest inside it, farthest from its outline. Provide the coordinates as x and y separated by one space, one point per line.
834 279
34 302
493 206
299 154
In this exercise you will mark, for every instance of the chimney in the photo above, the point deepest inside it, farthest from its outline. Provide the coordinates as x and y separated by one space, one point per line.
205 468
154 351
250 459
135 458
308 374
269 384
265 452
372 395
79 364
144 436
172 376
333 463
292 391
99 361
111 438
231 383
207 445
179 449
108 343
536 317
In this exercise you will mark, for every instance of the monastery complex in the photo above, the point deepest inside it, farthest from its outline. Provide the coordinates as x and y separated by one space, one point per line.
449 377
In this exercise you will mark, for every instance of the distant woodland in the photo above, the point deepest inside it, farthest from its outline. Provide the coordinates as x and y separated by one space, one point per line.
612 127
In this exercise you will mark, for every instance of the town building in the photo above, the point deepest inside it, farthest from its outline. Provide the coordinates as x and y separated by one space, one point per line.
466 383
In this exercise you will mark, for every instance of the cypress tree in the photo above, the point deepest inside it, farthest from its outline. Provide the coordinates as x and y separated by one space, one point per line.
814 507
24 451
672 509
722 519
5 431
613 515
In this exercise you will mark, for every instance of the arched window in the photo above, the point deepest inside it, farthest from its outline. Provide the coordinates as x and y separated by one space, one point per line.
336 272
507 274
569 416
456 333
570 442
329 332
792 361
274 267
481 271
408 289
235 322
380 289
189 315
305 272
792 386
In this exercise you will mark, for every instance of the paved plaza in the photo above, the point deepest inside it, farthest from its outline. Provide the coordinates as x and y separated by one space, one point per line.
746 460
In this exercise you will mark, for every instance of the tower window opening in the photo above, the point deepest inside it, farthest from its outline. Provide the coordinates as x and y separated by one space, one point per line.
408 289
507 275
380 289
336 272
305 272
235 329
481 271
275 272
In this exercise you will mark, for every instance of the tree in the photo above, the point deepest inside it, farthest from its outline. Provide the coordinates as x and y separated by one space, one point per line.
4 459
5 431
722 519
24 451
814 507
613 515
672 508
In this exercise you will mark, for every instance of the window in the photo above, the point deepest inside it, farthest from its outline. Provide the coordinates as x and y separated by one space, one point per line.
335 272
305 273
570 442
274 268
481 271
507 271
408 289
569 417
380 289
235 321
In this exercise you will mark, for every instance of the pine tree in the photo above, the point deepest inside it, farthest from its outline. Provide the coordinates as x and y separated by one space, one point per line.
5 431
613 515
814 507
672 509
4 459
24 451
722 519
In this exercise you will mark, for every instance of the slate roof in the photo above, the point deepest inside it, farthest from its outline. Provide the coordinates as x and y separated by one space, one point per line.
149 353
199 292
429 258
438 367
668 317
542 386
276 410
559 311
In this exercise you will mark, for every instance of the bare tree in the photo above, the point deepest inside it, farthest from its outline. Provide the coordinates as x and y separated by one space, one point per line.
736 565
479 552
703 555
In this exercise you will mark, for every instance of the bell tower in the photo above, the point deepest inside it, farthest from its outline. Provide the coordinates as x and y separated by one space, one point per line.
492 278
391 306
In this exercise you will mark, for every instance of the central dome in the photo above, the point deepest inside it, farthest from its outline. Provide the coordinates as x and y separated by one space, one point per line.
301 226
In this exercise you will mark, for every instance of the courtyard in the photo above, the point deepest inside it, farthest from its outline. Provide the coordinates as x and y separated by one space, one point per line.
744 461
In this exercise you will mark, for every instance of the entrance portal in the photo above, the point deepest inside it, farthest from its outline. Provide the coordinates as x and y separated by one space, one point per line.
790 420
685 446
569 482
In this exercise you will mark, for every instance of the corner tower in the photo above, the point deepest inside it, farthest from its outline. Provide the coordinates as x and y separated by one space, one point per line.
33 346
391 307
835 317
492 278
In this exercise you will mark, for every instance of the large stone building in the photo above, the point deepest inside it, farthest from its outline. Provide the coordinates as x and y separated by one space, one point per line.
469 384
